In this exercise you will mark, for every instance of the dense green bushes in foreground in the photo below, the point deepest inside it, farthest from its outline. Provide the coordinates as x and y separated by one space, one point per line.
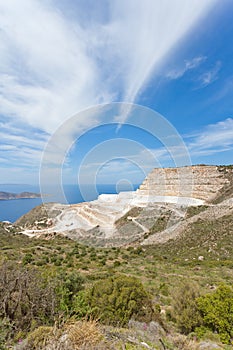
212 311
116 299
29 299
49 288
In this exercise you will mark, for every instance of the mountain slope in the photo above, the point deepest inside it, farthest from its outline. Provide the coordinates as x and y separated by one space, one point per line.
157 212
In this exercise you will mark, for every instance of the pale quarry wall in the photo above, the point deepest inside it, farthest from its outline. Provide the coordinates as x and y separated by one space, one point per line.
176 187
201 182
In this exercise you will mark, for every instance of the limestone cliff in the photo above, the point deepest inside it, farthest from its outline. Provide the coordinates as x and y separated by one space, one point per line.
201 182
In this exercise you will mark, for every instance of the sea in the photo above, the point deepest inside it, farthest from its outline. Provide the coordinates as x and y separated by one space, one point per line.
11 210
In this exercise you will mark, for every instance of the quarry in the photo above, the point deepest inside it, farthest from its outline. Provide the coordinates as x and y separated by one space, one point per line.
155 212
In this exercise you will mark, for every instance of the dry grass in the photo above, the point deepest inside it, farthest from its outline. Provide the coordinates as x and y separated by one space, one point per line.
181 342
84 334
39 337
75 335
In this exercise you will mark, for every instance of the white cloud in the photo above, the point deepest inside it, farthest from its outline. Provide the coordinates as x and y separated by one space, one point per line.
214 136
145 32
178 72
46 72
52 67
21 156
212 139
210 76
21 146
18 175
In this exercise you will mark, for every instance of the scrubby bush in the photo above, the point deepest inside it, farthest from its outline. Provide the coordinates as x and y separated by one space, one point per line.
28 297
184 306
116 263
81 307
210 312
27 259
68 286
39 337
216 308
25 296
6 328
117 299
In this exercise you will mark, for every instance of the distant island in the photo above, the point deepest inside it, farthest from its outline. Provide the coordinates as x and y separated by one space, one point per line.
25 195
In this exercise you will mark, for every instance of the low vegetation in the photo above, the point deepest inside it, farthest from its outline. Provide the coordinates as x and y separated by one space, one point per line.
60 294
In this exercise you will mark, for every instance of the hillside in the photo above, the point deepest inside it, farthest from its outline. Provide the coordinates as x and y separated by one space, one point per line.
155 213
138 288
201 256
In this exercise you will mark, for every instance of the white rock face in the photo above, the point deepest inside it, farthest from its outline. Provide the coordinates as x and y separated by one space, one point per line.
104 211
200 182
177 187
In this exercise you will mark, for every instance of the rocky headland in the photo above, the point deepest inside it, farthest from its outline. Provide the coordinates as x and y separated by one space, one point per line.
22 195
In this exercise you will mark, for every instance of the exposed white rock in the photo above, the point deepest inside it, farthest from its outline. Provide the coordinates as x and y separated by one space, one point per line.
176 188
201 182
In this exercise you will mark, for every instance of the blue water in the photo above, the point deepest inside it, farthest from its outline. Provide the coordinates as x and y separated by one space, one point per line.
11 210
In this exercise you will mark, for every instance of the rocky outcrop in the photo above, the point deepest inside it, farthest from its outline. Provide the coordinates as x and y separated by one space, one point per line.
201 182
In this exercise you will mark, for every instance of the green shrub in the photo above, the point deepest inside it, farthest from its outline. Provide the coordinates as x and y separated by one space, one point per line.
81 307
39 337
68 286
116 263
70 264
6 329
125 256
58 262
42 262
216 309
116 300
102 262
27 259
184 306
163 288
26 296
93 256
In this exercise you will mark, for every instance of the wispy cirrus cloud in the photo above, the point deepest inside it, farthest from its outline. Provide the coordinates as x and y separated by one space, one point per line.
210 75
225 91
46 73
119 159
218 136
21 135
201 80
210 140
188 65
52 67
20 146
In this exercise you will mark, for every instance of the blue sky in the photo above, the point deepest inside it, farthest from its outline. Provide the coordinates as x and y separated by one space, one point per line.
61 57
